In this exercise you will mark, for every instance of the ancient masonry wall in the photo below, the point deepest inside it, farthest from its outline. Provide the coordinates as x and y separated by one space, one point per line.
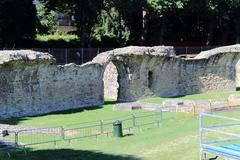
37 86
144 75
167 77
32 84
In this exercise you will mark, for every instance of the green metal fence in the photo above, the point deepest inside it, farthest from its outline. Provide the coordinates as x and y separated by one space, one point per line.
131 123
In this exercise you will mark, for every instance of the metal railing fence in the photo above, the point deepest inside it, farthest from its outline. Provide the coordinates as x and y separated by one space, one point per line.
73 55
83 55
192 49
29 137
217 130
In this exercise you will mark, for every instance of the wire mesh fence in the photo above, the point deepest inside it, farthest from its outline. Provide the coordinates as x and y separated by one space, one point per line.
83 55
192 49
40 135
73 55
28 137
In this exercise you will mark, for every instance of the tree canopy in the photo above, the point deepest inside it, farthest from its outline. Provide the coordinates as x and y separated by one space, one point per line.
114 23
17 22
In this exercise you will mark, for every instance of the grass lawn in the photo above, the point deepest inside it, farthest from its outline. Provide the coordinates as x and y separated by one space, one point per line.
174 140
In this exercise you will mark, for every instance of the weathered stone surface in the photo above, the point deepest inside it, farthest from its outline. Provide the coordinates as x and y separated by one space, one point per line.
34 85
139 105
234 98
106 57
188 106
173 102
9 56
110 79
31 83
225 49
145 75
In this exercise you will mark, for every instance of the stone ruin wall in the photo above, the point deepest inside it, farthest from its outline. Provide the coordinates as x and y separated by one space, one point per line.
211 71
175 77
37 86
31 83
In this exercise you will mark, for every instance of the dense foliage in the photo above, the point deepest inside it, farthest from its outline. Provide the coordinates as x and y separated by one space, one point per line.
113 23
154 22
46 22
17 22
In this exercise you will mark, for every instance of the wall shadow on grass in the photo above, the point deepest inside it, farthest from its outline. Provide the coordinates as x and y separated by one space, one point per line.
67 154
15 121
110 102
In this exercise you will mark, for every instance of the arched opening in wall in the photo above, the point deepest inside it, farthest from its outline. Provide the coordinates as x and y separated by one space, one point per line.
150 80
237 68
110 79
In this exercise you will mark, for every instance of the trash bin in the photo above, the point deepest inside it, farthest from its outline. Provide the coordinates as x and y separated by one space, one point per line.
117 129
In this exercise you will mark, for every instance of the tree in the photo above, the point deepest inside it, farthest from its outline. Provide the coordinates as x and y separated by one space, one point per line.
85 11
131 12
46 23
110 29
161 18
17 22
154 22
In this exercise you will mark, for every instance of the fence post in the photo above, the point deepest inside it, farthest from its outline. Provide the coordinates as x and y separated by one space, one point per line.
176 115
159 113
62 133
186 50
101 126
133 120
201 134
16 138
82 56
158 123
210 106
66 56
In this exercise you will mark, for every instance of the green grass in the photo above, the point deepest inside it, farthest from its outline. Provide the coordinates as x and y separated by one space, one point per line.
174 140
57 37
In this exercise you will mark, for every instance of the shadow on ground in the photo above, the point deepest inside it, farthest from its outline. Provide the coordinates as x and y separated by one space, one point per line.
66 154
15 121
110 102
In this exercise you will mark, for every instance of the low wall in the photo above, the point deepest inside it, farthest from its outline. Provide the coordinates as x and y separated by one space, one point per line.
31 84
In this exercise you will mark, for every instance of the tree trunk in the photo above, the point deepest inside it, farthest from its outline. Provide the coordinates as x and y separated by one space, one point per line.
162 31
237 25
225 30
82 24
212 24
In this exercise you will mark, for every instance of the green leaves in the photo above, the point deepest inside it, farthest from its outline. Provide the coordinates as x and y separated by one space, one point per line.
160 6
46 20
